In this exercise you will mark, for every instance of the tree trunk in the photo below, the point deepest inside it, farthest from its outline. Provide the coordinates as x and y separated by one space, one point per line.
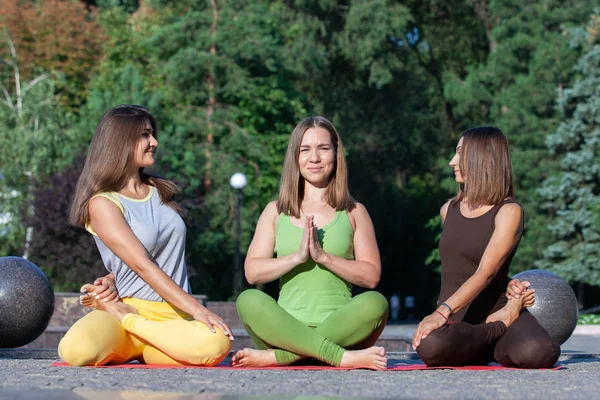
30 213
482 10
211 103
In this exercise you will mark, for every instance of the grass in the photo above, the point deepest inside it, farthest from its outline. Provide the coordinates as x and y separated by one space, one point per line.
589 319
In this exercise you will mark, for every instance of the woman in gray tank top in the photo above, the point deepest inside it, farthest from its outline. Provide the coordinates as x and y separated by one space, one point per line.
141 238
475 323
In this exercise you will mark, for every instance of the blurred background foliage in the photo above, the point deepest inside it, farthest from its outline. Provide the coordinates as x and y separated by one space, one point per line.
229 79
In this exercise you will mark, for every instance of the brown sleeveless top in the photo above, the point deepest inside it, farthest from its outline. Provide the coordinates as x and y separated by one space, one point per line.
462 245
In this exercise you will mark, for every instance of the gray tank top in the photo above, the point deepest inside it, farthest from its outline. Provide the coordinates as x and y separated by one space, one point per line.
162 232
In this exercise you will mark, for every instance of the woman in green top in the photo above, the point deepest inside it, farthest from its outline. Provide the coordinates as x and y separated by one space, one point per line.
318 241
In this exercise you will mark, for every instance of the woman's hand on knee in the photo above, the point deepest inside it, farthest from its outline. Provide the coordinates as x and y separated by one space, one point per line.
213 321
428 325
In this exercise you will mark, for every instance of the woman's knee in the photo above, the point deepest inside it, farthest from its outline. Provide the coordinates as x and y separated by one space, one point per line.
75 351
373 304
532 354
209 350
433 348
91 339
80 349
250 302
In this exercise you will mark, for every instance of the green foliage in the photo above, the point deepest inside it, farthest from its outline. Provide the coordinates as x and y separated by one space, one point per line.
399 80
571 195
434 259
515 89
30 148
224 107
588 319
67 255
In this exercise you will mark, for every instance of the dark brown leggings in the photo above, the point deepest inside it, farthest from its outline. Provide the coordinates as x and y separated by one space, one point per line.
525 344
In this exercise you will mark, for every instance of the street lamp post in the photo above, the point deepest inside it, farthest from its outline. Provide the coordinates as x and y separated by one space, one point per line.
238 182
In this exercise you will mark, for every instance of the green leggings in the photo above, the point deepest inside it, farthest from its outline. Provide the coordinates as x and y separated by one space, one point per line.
357 325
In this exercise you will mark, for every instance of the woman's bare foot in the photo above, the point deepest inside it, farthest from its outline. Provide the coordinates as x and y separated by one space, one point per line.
254 358
511 311
117 309
371 358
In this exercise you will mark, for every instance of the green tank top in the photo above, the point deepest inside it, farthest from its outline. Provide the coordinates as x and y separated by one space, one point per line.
310 292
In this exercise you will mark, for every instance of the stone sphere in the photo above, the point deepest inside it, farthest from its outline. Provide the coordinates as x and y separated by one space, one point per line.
556 307
26 302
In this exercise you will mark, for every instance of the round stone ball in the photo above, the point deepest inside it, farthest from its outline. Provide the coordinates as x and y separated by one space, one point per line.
556 307
26 302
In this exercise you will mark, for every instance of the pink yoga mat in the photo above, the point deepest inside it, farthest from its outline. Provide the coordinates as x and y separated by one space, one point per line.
408 367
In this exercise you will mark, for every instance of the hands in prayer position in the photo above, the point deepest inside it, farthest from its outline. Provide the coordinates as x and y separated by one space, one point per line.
310 245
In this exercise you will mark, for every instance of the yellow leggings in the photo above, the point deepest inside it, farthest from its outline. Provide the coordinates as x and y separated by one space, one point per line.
159 334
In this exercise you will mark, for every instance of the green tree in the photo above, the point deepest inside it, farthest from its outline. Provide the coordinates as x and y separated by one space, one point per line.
572 195
368 66
32 132
529 61
222 107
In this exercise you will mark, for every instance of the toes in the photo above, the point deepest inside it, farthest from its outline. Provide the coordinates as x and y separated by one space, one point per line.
86 300
87 288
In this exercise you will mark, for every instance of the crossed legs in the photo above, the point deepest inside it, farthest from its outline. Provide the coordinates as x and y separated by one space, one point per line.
523 344
115 333
281 339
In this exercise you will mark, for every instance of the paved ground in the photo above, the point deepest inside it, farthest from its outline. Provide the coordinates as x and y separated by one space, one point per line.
35 379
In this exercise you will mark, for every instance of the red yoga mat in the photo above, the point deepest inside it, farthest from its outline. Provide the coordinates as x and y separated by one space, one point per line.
404 367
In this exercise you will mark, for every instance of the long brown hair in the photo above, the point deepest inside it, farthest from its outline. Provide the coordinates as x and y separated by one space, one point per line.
291 186
486 167
108 158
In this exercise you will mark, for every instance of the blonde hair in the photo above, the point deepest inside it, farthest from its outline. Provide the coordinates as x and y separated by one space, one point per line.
108 158
486 167
291 186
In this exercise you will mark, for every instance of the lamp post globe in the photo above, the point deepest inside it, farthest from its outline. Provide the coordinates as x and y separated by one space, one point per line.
238 180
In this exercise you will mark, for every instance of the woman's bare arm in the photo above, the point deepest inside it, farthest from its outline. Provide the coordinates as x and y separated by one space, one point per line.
107 220
260 265
507 233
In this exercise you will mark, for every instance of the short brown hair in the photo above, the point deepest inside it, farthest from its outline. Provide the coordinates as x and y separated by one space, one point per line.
291 186
108 157
486 167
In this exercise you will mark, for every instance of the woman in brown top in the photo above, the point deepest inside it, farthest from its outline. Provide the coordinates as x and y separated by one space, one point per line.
476 323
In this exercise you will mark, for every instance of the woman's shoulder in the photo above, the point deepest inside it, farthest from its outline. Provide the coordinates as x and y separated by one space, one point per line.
100 205
271 208
357 209
446 206
271 213
510 208
358 214
101 200
509 215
